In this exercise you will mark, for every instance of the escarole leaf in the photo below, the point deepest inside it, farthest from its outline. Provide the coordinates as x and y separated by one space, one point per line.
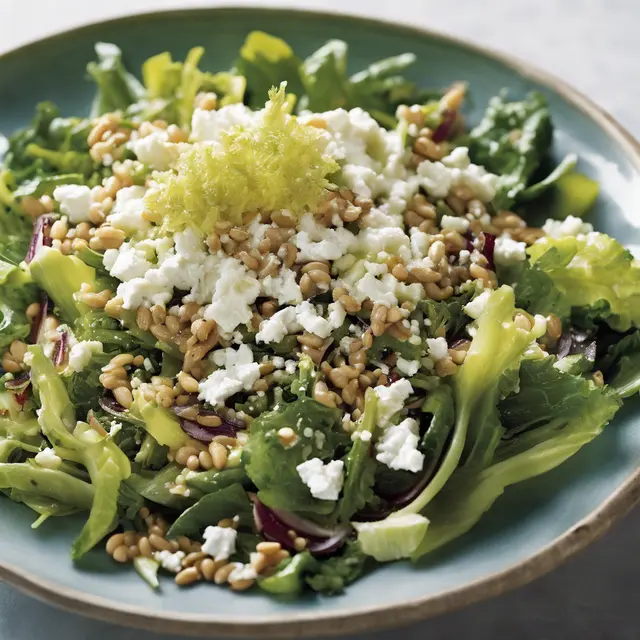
595 272
279 486
552 432
621 365
106 463
266 61
276 163
17 292
512 140
117 88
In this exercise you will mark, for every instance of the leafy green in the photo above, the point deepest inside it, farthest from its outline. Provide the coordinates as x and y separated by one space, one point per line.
324 75
511 141
147 569
393 538
621 365
564 169
573 195
61 277
593 271
359 466
339 571
117 88
17 291
45 185
15 228
159 422
105 462
560 431
171 86
289 578
47 483
446 317
279 486
152 486
386 343
535 290
210 509
266 61
214 480
439 413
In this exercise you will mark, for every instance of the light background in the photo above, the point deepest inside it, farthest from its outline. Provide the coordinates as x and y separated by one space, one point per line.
594 45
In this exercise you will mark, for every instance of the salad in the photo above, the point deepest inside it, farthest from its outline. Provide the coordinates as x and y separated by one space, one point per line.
268 327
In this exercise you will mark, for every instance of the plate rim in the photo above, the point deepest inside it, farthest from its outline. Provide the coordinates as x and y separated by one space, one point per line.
297 625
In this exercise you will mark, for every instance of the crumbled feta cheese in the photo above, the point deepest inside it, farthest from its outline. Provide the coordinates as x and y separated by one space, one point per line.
398 447
208 126
82 352
391 400
438 348
242 572
75 200
237 372
508 251
155 150
48 459
171 562
464 256
283 287
219 542
570 226
476 307
408 367
290 366
304 316
454 223
324 480
316 242
278 362
127 211
279 325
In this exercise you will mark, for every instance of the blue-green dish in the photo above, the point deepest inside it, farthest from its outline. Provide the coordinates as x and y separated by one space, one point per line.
532 528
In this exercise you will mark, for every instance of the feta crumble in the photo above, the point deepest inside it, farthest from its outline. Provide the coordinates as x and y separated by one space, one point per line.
171 562
570 226
391 400
324 480
75 200
48 459
82 352
438 348
398 447
219 542
508 251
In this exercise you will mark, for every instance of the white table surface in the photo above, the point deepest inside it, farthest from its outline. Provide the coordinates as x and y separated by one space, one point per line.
593 44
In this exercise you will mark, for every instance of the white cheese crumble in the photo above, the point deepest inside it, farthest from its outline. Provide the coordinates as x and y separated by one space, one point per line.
454 223
75 200
283 287
438 348
324 480
48 459
208 126
398 447
570 226
408 367
155 150
82 352
219 542
317 242
237 372
476 307
171 562
242 572
391 400
508 251
127 211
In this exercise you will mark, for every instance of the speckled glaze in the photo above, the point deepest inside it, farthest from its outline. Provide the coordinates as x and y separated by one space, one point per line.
530 530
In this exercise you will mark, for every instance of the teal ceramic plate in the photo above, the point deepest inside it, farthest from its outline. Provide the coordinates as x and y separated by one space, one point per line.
530 530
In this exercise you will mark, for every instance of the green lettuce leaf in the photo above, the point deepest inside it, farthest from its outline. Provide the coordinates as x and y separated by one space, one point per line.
511 141
324 74
335 573
593 271
279 486
266 61
17 292
560 431
210 509
621 365
117 88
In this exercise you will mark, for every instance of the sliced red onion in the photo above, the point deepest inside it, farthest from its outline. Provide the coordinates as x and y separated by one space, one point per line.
39 237
302 526
488 248
229 426
19 383
114 408
22 397
446 125
38 322
60 349
273 528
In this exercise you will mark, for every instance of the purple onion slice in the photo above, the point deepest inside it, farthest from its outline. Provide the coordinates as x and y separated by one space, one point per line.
446 125
60 349
273 528
19 383
111 406
37 324
229 426
39 237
